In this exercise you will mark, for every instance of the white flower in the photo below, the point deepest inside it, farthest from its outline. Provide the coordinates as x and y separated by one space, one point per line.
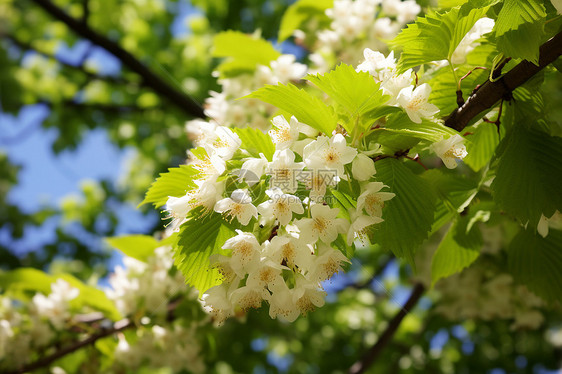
391 7
409 9
216 106
55 307
372 200
289 250
210 167
329 154
6 335
341 9
384 28
285 69
247 297
205 196
284 133
239 205
281 303
449 150
323 225
245 252
358 227
414 102
253 169
307 296
281 206
283 169
223 142
348 28
264 76
394 84
216 302
63 292
558 5
380 67
363 167
365 11
327 264
197 129
317 181
469 42
266 274
545 223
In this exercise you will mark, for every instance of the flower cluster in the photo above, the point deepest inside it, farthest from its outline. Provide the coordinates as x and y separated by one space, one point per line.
477 293
40 326
297 212
223 108
356 25
171 345
412 98
400 87
145 286
29 329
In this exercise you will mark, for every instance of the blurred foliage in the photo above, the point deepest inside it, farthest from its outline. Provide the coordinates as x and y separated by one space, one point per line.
82 95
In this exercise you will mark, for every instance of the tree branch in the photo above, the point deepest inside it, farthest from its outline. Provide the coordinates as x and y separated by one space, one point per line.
150 79
490 92
47 360
371 355
104 332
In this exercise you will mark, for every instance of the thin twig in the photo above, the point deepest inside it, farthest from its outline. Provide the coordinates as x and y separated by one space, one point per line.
489 93
371 355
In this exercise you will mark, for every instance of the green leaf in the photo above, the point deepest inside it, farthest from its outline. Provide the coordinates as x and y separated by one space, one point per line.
454 194
426 130
529 172
355 92
232 68
449 3
458 249
536 262
516 13
299 12
409 215
482 145
306 107
343 201
435 36
243 48
197 241
26 279
519 29
256 142
382 111
139 247
176 182
400 133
